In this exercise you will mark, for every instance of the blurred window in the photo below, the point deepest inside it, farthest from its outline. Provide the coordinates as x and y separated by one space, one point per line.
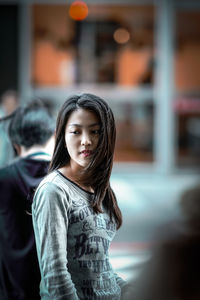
134 123
114 44
112 48
187 83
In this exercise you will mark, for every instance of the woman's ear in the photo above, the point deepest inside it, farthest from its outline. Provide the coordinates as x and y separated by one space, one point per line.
17 149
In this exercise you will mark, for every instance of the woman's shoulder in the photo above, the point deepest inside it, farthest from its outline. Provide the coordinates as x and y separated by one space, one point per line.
56 185
52 190
52 183
52 179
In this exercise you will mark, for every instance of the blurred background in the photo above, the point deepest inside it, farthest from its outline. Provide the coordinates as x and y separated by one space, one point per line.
143 58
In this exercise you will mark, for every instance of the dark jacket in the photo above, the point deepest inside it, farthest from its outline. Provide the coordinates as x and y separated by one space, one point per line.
19 270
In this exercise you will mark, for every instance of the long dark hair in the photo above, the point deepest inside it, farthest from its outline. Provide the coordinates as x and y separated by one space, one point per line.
99 169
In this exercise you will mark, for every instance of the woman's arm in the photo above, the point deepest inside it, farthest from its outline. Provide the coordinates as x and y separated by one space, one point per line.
50 221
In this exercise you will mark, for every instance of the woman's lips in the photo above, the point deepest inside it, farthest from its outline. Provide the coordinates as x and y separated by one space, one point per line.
86 153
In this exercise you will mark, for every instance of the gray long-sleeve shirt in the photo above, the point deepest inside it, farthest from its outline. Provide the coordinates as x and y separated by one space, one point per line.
72 243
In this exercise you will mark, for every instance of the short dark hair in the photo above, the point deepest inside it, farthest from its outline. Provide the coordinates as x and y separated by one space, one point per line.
31 125
99 169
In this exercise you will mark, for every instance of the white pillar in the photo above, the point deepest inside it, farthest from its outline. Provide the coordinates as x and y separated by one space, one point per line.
164 146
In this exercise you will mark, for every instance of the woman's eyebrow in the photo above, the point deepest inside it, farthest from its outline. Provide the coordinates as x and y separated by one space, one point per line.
78 125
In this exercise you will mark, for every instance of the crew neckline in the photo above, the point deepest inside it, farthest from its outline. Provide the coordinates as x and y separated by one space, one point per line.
90 193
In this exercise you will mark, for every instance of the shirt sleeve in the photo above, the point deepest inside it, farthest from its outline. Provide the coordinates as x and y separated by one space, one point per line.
121 282
127 290
50 222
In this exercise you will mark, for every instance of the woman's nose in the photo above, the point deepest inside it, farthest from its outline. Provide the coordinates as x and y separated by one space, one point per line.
86 140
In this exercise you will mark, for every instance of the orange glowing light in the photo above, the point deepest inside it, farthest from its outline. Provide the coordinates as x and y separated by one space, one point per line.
78 10
121 36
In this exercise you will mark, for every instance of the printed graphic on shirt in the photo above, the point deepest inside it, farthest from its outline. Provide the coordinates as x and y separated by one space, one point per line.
91 245
92 236
97 266
80 215
89 286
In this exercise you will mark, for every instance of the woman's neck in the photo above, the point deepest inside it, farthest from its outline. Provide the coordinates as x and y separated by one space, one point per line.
71 174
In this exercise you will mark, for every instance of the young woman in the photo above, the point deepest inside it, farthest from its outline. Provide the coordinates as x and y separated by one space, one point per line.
75 212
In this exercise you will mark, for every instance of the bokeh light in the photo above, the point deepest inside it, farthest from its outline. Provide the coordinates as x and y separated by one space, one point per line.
121 35
78 10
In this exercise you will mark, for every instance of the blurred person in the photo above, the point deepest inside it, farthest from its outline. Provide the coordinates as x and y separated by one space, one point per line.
31 132
75 211
172 272
9 102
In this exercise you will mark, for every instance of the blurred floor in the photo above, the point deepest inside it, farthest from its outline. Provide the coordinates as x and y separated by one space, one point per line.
146 202
127 259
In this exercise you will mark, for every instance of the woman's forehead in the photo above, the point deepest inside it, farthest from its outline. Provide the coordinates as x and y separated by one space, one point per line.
83 117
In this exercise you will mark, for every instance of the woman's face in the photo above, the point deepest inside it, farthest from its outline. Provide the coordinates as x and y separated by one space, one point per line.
82 136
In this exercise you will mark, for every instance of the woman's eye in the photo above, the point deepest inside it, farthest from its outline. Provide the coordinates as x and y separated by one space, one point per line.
75 132
95 131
